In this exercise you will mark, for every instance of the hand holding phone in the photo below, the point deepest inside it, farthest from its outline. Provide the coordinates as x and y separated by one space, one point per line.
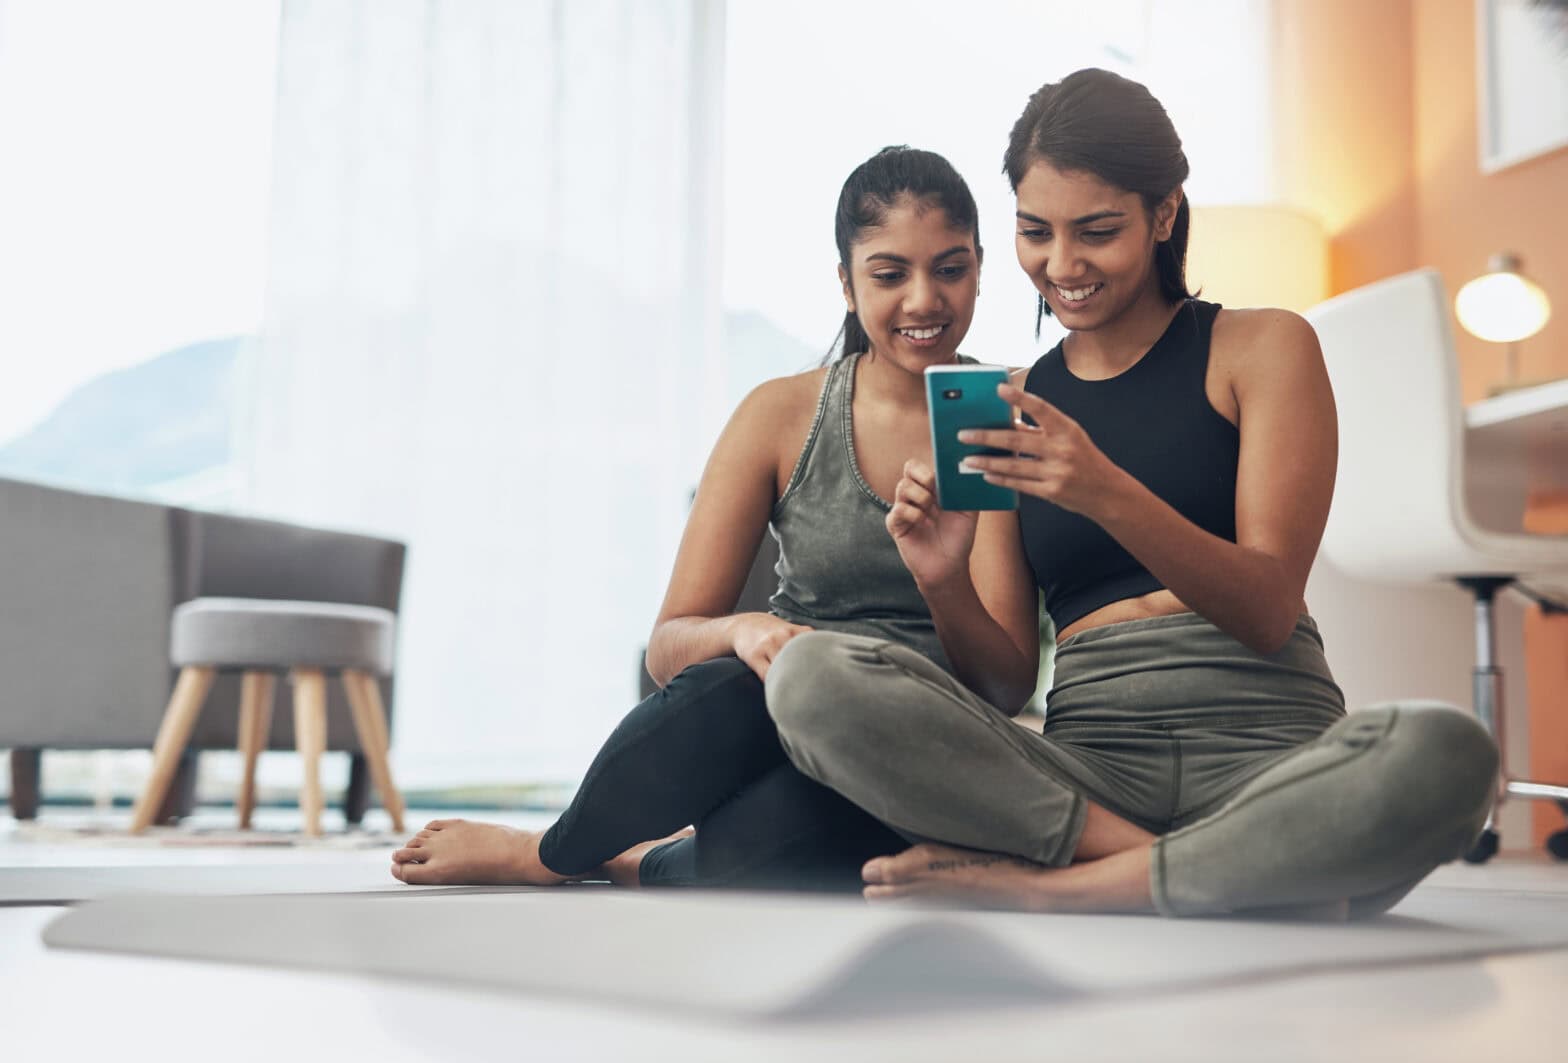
959 397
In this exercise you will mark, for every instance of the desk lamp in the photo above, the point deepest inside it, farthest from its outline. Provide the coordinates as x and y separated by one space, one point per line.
1503 306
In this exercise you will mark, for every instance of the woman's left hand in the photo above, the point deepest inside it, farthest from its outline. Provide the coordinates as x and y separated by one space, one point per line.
1056 460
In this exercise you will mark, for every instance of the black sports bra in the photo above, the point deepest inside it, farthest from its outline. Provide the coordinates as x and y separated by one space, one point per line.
1155 421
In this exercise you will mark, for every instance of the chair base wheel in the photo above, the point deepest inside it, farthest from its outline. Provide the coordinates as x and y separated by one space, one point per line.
1557 844
1484 849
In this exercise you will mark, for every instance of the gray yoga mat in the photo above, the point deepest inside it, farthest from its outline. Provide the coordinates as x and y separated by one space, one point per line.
72 885
760 955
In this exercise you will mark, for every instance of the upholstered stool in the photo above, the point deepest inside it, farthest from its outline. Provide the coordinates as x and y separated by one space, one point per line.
261 638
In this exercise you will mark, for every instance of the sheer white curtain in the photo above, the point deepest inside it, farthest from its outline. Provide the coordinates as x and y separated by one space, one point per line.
490 330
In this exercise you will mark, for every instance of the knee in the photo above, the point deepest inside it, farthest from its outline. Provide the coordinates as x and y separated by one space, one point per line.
1454 757
831 690
723 678
809 681
719 671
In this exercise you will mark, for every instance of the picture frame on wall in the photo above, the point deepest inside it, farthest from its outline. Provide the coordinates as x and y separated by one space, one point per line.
1522 74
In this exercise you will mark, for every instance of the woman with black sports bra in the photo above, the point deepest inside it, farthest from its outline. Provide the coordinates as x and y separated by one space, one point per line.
1175 463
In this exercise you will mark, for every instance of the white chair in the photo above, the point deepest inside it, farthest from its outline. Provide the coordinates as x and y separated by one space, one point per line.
1400 509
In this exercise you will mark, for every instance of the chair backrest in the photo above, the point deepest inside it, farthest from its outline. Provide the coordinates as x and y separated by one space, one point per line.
1397 513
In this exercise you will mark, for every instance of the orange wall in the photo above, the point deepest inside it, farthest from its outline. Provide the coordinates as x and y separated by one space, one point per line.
1376 119
1463 216
1345 149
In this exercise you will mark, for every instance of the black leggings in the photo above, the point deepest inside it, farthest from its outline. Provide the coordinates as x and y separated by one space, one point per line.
703 751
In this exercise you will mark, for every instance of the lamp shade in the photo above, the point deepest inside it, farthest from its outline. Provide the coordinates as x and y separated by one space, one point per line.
1502 305
1258 256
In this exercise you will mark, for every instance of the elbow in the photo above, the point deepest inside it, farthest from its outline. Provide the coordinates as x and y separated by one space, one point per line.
654 662
1004 694
1013 695
1018 699
1270 637
1014 708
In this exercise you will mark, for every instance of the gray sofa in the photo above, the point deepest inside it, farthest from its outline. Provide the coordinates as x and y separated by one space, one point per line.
87 584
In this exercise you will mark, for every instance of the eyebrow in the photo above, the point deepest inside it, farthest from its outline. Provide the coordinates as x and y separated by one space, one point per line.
1085 220
888 256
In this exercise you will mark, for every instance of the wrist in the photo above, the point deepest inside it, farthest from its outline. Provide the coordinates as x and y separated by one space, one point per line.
1118 502
942 592
730 628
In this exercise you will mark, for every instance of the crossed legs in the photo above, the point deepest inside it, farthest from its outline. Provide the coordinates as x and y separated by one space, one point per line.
1353 818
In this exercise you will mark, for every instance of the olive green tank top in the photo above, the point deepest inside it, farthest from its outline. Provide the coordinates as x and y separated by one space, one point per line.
838 568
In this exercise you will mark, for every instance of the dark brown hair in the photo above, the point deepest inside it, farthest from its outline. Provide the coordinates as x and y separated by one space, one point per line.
872 190
1094 121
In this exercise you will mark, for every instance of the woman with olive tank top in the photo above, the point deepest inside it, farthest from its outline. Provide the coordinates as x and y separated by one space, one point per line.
1175 463
815 455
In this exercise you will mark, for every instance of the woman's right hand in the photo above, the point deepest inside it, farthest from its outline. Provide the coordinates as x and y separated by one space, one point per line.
934 543
758 638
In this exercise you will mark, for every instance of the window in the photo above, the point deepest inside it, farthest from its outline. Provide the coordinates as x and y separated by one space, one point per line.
813 90
137 141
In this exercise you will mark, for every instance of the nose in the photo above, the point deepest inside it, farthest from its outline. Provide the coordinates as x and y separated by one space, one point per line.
1064 263
923 296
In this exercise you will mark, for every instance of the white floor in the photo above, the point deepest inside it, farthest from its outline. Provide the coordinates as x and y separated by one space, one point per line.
68 1006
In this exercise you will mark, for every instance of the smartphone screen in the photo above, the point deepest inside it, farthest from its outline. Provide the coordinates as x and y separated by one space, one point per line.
959 397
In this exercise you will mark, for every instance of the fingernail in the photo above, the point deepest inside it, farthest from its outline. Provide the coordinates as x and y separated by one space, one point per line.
872 872
968 465
966 436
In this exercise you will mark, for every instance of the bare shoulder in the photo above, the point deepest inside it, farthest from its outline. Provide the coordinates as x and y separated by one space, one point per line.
1264 344
771 424
1262 330
778 403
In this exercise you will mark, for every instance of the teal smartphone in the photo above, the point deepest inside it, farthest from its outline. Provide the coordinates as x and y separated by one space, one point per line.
958 397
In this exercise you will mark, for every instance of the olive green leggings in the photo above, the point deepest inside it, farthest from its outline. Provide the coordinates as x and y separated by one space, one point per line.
1264 793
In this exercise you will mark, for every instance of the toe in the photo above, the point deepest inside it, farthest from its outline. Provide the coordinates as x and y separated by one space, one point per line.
418 875
397 870
900 867
883 893
441 824
405 855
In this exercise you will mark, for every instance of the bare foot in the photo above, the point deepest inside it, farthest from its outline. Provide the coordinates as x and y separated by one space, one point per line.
626 869
1116 883
460 852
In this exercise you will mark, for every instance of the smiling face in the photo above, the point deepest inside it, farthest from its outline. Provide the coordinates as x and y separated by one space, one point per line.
912 283
1088 245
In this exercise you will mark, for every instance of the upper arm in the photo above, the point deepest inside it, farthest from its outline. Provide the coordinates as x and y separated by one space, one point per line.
731 509
1289 439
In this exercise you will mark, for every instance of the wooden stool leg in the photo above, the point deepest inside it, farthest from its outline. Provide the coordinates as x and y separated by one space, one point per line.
310 733
256 691
175 730
370 722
